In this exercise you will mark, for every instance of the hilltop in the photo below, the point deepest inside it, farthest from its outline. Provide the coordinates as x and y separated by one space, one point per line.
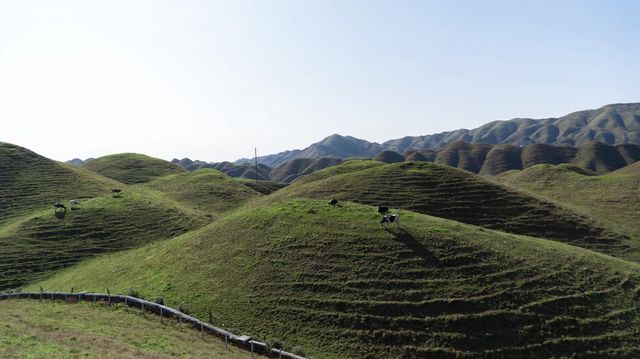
29 181
309 273
132 167
458 195
206 190
30 329
613 198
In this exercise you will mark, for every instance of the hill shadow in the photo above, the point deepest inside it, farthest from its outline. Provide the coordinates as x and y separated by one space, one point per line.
401 235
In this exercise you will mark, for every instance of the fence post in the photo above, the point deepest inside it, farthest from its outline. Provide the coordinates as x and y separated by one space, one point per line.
251 342
226 341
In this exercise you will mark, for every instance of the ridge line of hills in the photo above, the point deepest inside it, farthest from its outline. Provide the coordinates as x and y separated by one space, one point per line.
484 159
611 124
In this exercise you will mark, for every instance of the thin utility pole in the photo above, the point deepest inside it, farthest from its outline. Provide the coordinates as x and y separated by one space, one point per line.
256 159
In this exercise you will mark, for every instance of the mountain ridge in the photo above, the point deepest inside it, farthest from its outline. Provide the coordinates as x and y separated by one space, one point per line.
611 124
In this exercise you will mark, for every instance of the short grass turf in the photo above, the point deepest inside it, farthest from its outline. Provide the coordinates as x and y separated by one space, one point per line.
29 181
30 329
206 190
132 167
331 280
454 194
41 242
614 198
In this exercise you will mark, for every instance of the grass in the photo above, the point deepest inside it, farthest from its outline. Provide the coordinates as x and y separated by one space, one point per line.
458 195
206 190
132 167
40 242
29 181
331 280
264 187
612 198
30 329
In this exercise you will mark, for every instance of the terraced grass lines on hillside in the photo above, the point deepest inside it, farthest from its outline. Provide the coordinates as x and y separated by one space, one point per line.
35 245
331 280
207 190
132 167
30 329
612 198
450 193
29 181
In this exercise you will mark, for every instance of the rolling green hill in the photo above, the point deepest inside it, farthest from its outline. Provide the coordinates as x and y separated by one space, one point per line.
206 190
132 167
614 198
29 329
41 242
29 181
462 196
332 280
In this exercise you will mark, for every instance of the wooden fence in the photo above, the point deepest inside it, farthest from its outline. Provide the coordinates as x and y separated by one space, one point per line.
242 341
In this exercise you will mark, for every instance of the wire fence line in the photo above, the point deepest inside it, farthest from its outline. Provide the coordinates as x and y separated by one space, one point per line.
241 341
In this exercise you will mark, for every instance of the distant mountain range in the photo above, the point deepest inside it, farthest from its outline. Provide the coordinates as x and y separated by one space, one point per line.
598 140
610 124
485 159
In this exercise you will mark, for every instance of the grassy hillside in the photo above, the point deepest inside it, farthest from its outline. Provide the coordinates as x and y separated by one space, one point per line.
29 181
333 281
132 167
206 190
29 329
450 193
291 170
38 243
613 199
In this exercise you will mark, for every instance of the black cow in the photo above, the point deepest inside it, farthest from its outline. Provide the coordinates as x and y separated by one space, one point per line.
116 191
383 209
58 206
333 202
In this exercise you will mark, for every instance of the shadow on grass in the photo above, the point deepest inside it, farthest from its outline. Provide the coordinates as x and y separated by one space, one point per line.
406 238
61 214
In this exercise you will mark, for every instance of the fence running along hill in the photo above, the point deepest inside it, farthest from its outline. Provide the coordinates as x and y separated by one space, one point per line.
242 341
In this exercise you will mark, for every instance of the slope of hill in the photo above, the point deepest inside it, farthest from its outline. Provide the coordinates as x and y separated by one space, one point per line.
290 170
30 329
494 159
613 198
206 190
132 167
331 280
389 157
450 193
40 242
29 181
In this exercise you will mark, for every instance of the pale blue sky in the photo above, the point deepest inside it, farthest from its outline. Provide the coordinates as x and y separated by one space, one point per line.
212 79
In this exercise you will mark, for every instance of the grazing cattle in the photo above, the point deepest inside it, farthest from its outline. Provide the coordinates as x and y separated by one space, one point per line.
383 209
116 191
74 203
390 218
333 202
58 206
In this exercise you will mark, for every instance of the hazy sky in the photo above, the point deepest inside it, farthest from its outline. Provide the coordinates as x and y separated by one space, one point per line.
212 79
